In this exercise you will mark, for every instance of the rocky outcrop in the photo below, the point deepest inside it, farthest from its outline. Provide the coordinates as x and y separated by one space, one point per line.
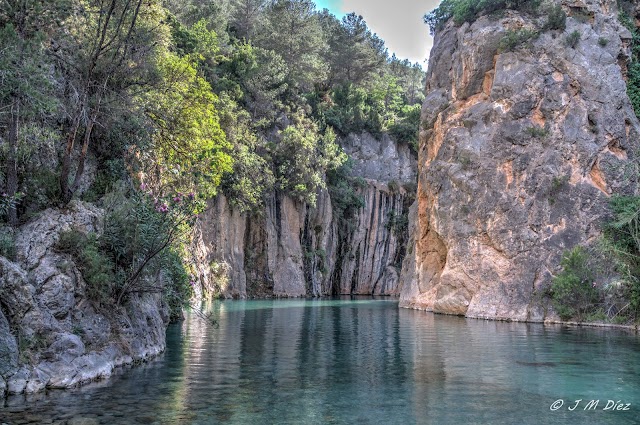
291 249
519 154
51 335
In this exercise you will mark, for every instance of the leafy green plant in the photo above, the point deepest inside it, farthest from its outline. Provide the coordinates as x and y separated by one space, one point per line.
622 235
516 38
556 18
95 265
573 39
573 291
633 71
557 184
603 41
537 132
7 244
469 10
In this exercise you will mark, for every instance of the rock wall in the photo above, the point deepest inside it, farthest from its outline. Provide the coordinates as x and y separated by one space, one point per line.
519 154
291 249
51 335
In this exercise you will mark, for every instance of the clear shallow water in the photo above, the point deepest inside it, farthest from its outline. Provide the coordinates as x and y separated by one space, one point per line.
358 362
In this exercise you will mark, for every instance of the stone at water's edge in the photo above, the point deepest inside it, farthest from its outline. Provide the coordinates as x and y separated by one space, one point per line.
520 153
291 249
51 335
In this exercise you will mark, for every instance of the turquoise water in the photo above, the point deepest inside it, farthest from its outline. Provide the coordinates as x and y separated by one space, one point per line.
358 362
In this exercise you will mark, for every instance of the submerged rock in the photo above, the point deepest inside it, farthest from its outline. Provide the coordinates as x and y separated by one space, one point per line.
519 155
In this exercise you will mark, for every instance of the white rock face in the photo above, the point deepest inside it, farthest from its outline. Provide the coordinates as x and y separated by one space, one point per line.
291 249
65 339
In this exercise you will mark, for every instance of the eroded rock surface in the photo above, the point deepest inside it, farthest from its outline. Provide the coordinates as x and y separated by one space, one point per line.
51 335
519 154
291 249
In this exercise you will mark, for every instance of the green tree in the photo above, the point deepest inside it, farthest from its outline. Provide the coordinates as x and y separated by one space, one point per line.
292 29
26 84
355 54
246 17
105 51
302 156
188 149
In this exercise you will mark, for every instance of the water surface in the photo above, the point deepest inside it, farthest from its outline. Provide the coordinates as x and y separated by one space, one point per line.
358 361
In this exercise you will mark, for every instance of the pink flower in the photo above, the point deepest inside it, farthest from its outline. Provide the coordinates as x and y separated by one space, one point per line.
143 186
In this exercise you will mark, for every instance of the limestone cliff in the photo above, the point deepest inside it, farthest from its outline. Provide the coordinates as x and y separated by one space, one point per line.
291 249
51 335
519 154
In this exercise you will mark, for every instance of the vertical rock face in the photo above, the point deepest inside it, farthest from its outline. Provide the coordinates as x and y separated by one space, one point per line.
291 249
519 154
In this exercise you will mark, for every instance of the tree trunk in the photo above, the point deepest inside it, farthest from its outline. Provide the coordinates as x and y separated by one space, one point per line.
12 163
66 162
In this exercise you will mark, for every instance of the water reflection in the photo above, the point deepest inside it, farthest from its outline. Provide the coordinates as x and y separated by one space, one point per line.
363 361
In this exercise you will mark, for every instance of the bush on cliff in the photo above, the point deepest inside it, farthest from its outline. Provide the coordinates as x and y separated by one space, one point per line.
573 291
138 252
469 10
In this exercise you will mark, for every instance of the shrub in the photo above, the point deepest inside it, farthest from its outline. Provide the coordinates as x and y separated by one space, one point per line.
344 191
623 236
573 39
556 18
94 264
602 41
515 38
7 244
537 132
138 252
469 10
573 291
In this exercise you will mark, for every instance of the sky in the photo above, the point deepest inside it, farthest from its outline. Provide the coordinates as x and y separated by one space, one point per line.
398 22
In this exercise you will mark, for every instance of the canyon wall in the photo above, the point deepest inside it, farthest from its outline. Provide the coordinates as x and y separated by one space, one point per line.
291 249
520 152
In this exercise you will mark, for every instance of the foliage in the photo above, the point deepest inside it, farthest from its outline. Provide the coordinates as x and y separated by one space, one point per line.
573 291
537 132
556 18
138 250
516 38
633 71
96 267
7 244
573 39
301 156
344 191
405 128
469 10
292 29
188 145
623 237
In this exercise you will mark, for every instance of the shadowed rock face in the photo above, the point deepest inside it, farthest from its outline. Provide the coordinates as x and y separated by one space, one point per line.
291 249
519 155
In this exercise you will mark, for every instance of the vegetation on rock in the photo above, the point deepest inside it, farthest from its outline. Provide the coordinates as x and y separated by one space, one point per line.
245 97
